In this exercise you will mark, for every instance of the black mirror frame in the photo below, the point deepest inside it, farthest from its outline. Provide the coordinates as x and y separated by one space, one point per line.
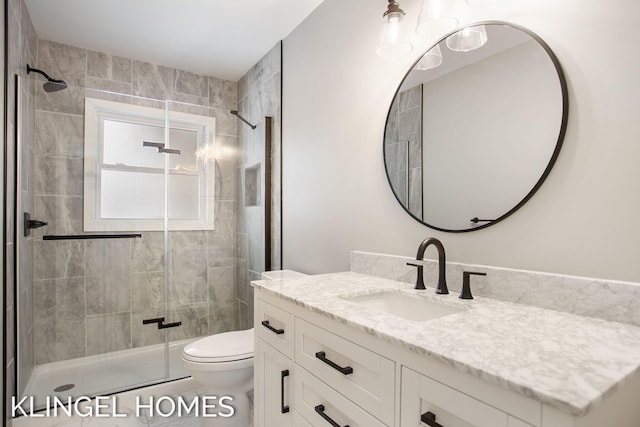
563 127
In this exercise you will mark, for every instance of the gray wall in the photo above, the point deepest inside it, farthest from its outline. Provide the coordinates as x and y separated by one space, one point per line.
92 295
259 95
22 50
336 93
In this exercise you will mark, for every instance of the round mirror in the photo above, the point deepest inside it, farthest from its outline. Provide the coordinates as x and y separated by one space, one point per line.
475 127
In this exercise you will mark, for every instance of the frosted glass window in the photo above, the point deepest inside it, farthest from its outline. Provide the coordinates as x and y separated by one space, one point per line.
124 185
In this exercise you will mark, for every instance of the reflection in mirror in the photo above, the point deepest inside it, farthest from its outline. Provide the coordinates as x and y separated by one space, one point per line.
469 140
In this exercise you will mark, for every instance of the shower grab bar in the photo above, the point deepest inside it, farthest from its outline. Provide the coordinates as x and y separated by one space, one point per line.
91 236
160 322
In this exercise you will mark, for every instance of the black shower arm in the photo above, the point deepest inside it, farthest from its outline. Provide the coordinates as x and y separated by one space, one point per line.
35 70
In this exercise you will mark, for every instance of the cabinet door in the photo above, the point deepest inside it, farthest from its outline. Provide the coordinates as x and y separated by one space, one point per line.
273 387
423 397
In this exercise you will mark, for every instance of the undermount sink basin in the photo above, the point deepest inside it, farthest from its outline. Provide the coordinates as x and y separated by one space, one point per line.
407 307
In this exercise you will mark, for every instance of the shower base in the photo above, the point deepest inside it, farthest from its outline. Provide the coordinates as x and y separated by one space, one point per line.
105 374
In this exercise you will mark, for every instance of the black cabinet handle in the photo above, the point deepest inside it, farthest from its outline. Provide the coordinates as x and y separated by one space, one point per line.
283 409
320 410
343 370
266 324
429 418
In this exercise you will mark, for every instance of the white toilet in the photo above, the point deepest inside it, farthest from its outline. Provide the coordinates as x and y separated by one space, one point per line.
223 364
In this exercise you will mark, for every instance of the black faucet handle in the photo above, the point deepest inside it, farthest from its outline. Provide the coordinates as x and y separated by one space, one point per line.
419 277
466 283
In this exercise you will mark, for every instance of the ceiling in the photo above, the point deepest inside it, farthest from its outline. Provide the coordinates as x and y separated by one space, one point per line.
222 38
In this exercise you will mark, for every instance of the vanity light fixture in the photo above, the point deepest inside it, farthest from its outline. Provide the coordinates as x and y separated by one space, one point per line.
434 19
391 46
467 39
430 60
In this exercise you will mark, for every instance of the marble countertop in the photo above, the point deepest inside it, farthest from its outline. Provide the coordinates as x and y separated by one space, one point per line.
567 361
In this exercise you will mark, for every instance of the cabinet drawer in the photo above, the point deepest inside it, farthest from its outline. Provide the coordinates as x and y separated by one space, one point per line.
321 405
299 421
364 377
450 407
275 326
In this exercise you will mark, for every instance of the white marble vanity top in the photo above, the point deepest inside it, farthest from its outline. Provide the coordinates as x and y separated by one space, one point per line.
564 360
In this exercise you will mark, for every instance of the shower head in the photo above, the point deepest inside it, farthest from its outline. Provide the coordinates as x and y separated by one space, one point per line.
51 85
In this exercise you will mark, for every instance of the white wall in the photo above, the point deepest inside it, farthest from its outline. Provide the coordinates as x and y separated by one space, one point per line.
489 130
585 220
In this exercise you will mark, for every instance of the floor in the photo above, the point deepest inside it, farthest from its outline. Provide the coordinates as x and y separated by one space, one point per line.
105 374
126 404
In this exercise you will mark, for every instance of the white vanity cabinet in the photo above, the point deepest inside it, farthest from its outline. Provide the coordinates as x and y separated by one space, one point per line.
338 375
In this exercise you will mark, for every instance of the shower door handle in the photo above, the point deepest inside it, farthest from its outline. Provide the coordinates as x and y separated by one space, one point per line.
160 322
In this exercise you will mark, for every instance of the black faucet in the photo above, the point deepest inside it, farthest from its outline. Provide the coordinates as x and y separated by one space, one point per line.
441 288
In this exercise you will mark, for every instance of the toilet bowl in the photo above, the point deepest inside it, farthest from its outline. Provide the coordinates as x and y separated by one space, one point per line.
223 364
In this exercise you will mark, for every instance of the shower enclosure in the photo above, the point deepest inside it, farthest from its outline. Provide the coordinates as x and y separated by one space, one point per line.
134 223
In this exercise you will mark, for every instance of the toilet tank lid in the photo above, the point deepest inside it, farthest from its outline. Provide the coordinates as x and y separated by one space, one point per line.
222 346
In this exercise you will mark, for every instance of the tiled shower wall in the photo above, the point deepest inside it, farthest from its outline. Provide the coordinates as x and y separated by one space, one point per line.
21 49
403 148
259 95
91 295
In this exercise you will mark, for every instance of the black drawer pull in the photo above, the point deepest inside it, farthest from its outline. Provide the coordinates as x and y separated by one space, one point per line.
429 418
283 374
266 324
320 410
343 370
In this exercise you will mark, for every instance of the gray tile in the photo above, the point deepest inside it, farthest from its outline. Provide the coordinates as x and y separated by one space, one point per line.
222 319
189 104
188 267
242 316
63 62
58 340
59 176
225 179
147 302
108 267
151 81
194 318
410 98
62 213
59 259
107 86
108 333
241 282
222 93
410 125
59 134
190 83
69 101
415 153
226 123
221 287
415 192
108 67
59 299
189 277
147 253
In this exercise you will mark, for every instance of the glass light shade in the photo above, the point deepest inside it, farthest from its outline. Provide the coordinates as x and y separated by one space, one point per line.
390 45
434 19
467 39
430 60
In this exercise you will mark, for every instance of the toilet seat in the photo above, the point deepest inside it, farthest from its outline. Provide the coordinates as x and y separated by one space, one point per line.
221 348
